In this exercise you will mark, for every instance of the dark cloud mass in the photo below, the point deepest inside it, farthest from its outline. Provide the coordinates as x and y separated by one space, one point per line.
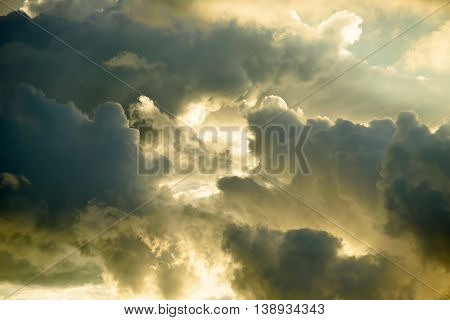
68 158
56 160
187 60
222 60
348 156
345 160
304 264
343 154
415 185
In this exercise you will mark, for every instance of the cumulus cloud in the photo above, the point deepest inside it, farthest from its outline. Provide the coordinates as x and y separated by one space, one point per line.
343 27
56 161
415 186
304 264
344 155
68 158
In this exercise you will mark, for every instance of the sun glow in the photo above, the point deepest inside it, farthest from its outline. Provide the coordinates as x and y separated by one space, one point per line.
195 115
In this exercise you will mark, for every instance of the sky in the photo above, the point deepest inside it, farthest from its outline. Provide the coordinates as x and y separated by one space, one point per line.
105 104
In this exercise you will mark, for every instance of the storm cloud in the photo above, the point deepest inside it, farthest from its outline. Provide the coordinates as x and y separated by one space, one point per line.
304 264
415 185
67 158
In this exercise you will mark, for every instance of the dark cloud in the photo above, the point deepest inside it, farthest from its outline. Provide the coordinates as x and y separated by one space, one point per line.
415 186
345 157
59 166
32 56
251 201
304 264
219 59
68 158
190 62
348 155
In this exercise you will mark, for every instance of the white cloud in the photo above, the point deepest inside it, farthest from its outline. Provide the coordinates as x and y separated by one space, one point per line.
294 16
344 27
430 52
74 9
128 60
